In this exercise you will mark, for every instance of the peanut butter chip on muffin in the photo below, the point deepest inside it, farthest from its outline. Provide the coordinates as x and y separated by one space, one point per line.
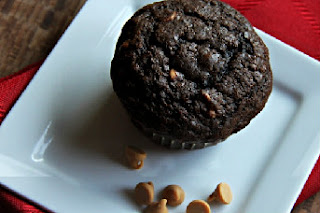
171 17
173 74
212 114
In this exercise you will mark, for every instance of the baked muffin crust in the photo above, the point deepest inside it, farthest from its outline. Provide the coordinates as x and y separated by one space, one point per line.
191 70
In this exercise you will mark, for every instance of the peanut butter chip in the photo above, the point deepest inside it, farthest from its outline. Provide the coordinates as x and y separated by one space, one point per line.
206 95
173 74
198 206
174 195
135 157
157 207
222 194
144 193
125 44
172 16
212 114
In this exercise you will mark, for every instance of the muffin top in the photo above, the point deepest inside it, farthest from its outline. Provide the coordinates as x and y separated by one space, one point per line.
191 70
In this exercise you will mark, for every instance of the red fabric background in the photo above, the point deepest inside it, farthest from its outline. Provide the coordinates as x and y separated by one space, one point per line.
295 22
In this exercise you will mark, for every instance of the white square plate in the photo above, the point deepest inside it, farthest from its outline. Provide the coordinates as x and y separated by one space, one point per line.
62 143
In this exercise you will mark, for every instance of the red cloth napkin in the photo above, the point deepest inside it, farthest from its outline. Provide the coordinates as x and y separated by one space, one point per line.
295 22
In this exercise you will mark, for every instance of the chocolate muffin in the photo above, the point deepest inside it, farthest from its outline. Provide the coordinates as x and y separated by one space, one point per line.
190 72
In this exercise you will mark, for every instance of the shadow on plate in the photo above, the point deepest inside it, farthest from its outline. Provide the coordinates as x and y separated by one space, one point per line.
96 136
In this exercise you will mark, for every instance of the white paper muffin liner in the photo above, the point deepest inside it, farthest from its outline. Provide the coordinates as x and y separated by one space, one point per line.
169 142
174 144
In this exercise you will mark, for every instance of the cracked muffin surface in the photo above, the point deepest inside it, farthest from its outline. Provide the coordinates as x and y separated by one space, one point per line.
191 71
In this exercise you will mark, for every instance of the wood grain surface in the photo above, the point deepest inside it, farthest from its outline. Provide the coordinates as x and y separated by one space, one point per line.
29 29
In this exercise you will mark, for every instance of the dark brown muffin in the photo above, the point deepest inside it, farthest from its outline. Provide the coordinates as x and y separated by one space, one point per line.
191 72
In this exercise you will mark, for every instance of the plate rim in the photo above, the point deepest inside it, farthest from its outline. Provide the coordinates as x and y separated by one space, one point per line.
299 53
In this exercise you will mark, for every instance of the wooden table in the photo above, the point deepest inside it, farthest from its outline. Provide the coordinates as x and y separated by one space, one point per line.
29 29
